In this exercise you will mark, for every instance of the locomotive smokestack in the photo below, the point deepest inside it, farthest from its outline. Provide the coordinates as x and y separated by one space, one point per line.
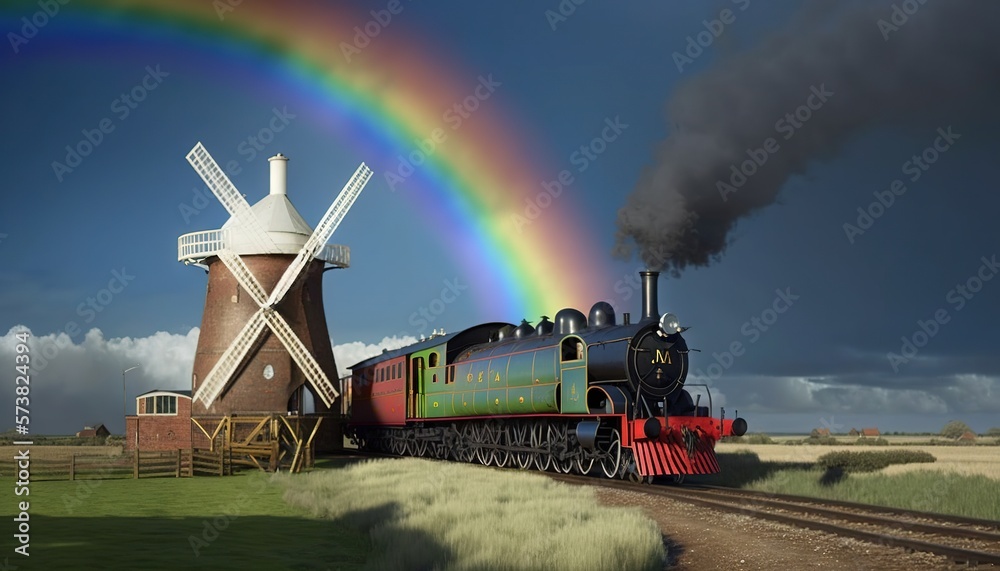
650 306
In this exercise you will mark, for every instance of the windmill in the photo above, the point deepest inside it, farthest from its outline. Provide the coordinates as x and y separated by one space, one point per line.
263 335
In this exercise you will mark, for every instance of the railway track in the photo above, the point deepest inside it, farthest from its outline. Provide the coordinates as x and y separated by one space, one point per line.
962 540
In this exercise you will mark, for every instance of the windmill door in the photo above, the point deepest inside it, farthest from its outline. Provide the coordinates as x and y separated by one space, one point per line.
415 387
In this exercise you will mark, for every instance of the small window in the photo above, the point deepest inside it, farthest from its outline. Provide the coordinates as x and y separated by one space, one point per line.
435 379
433 359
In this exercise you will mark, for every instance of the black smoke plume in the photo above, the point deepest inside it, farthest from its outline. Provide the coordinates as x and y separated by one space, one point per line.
883 65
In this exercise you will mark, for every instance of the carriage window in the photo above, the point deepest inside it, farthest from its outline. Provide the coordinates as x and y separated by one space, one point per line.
433 359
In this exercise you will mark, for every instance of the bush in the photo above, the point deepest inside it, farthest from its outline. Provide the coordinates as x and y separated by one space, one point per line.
749 439
872 461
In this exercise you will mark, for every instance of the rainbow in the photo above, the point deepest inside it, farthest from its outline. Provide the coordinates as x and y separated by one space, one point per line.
383 97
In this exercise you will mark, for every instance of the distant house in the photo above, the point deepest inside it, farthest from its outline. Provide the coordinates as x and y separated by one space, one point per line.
969 436
93 432
870 433
854 432
822 432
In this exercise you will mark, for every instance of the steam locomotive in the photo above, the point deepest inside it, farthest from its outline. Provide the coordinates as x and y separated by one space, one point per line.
580 393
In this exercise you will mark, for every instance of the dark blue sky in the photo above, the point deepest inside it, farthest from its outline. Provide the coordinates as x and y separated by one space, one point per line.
822 360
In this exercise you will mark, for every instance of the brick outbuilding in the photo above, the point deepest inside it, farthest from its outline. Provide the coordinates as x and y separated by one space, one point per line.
163 421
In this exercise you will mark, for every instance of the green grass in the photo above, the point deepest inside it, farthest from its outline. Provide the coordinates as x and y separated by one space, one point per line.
938 492
431 515
238 522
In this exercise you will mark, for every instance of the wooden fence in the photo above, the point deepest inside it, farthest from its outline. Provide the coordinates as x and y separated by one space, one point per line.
181 463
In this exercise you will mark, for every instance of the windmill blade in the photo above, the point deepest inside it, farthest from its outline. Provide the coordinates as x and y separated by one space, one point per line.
317 378
333 217
231 199
242 274
223 370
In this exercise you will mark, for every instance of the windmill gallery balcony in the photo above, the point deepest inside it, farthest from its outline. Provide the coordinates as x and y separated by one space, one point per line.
196 247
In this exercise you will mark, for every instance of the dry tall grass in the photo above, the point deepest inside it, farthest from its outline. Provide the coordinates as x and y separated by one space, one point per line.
432 515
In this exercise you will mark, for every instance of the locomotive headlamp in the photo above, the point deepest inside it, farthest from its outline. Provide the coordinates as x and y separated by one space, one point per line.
669 323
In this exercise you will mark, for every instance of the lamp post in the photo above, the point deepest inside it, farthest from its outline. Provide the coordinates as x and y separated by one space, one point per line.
125 398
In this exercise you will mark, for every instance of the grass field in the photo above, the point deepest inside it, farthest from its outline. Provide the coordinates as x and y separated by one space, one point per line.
963 481
420 513
962 460
380 515
239 522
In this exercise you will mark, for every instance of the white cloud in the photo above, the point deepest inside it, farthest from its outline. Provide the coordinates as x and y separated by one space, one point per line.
79 382
348 354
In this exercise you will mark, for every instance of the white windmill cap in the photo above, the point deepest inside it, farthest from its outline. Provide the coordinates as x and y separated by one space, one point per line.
276 216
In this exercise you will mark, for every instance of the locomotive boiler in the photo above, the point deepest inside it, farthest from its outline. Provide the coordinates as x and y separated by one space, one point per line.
580 393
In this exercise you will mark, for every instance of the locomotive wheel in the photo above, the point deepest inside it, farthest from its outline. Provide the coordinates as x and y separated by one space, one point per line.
564 466
611 462
584 462
411 444
519 437
543 459
485 452
398 445
560 438
420 447
501 436
628 469
465 452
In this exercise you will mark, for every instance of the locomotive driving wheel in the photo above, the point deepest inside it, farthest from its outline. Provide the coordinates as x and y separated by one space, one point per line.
611 455
484 444
519 437
501 438
464 450
562 459
539 441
